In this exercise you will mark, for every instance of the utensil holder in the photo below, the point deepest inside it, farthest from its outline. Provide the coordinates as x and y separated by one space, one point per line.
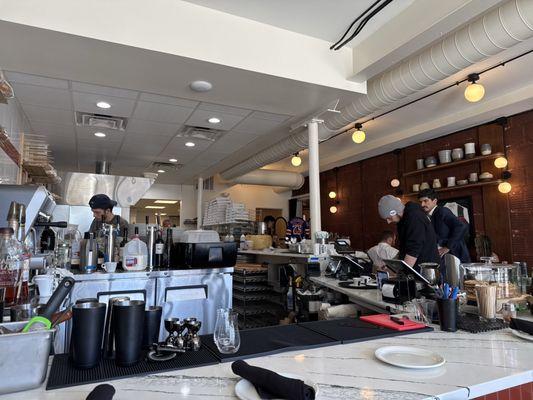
448 309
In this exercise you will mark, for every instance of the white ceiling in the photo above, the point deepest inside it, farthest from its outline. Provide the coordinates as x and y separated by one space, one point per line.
322 19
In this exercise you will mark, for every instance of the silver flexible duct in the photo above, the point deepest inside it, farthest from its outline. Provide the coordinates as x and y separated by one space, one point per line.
488 35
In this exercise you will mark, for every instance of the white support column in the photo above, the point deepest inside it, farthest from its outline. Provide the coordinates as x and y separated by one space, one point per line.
199 203
314 177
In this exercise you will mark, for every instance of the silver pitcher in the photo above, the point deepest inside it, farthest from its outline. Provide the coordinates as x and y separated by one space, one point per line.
431 272
88 254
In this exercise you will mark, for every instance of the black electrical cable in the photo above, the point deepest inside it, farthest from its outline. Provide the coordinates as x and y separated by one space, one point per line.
363 23
353 23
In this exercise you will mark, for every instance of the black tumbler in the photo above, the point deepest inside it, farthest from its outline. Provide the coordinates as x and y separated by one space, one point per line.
128 325
447 314
152 322
87 332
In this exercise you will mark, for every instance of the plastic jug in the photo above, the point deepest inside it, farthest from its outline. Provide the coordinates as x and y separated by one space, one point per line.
135 255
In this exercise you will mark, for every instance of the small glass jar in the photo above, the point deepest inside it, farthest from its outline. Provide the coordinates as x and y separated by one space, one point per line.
508 312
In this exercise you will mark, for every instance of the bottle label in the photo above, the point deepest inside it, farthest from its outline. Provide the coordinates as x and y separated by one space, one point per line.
159 248
131 261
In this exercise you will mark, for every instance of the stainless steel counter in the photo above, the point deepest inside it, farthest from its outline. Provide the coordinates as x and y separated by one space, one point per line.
151 274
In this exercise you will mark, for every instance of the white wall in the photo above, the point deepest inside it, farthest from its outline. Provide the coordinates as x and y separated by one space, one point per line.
14 123
185 193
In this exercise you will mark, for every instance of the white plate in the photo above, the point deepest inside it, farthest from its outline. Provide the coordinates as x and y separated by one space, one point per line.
522 335
409 357
244 389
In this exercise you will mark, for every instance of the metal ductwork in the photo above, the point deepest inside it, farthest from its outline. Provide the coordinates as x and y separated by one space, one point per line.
267 177
488 35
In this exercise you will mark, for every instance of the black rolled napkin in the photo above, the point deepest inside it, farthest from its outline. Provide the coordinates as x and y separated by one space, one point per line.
270 385
522 325
102 392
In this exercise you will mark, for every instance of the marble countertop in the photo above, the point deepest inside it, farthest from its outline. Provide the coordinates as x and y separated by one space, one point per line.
281 253
151 274
476 364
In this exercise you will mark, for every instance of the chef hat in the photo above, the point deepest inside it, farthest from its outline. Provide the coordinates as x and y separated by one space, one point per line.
389 206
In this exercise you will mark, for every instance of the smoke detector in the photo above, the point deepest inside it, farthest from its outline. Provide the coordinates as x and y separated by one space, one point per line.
101 121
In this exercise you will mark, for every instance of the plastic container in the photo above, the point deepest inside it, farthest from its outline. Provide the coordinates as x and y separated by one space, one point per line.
135 255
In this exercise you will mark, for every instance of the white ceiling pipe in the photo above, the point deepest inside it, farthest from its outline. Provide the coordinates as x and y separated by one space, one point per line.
267 177
488 35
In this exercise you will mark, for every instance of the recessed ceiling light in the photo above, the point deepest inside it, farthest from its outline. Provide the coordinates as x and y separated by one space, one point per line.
172 160
161 171
214 120
165 201
201 86
190 144
155 207
103 104
99 134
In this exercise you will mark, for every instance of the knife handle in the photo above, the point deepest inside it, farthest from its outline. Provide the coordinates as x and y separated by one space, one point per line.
62 291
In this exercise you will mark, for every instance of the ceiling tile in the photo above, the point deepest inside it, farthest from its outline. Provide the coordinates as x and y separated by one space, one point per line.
175 101
256 126
146 148
104 90
46 114
231 142
161 112
43 96
17 77
279 118
152 128
200 117
86 102
140 139
52 130
113 136
224 109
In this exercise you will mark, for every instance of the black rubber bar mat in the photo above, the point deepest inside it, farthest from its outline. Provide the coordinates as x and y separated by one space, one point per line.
349 285
271 340
63 374
352 330
471 323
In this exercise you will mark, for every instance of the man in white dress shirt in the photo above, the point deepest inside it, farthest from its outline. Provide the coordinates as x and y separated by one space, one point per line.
384 250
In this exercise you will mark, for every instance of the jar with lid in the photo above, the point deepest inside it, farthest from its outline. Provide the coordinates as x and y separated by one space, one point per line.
10 266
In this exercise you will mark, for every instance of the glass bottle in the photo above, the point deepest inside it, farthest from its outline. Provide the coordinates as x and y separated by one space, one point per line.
159 250
168 256
226 334
10 267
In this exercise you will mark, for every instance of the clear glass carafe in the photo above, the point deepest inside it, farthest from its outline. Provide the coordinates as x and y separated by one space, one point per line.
226 335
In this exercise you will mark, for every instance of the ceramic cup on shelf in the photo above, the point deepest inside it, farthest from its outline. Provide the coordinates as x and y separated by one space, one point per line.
436 183
457 154
445 156
420 163
486 149
431 161
470 150
424 185
416 187
451 181
472 178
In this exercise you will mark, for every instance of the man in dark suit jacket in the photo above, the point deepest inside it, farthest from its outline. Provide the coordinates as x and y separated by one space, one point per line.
449 229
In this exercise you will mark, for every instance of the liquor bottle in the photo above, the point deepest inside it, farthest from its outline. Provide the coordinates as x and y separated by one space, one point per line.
169 252
159 250
10 265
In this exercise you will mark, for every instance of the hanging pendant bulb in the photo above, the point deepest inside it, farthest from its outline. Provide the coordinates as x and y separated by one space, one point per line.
504 187
333 209
332 194
475 91
296 160
500 162
358 136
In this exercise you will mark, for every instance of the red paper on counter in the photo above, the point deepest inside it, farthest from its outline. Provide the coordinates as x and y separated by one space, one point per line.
385 321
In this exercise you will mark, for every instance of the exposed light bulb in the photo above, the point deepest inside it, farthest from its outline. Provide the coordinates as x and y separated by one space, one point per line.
504 187
358 136
395 183
296 160
333 209
332 194
500 162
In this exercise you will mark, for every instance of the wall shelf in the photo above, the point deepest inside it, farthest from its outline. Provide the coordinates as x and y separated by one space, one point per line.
454 164
461 187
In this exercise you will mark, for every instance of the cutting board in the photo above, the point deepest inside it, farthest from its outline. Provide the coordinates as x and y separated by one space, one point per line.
385 321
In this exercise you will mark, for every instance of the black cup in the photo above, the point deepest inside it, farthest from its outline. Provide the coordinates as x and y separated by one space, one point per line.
447 314
87 333
152 322
128 325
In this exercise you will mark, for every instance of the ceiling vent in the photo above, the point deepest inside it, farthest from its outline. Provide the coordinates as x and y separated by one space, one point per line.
101 121
199 133
165 166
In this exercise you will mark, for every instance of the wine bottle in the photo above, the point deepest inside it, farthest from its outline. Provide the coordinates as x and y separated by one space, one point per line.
159 250
169 244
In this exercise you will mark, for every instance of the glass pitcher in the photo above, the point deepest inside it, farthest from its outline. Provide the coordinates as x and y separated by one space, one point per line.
226 335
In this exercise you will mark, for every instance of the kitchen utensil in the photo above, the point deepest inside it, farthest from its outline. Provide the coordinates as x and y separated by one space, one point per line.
226 335
152 322
486 149
430 161
409 357
451 181
462 182
87 333
485 176
245 390
128 323
53 304
472 178
88 253
470 150
457 154
445 156
454 272
436 183
420 163
447 314
45 283
26 357
424 185
431 272
416 187
109 332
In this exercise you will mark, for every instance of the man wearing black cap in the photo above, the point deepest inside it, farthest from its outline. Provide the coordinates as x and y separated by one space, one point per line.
102 208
